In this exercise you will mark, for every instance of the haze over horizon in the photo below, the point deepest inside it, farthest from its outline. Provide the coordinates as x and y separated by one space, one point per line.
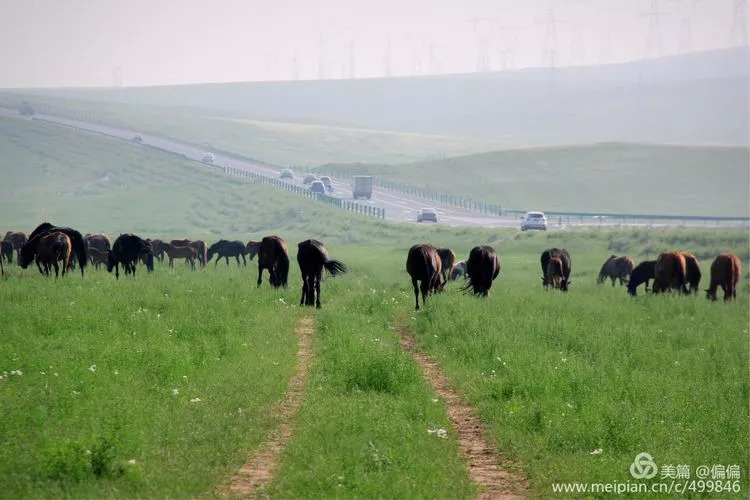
85 43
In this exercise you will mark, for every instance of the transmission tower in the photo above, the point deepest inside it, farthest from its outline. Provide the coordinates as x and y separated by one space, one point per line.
654 37
117 76
550 51
738 34
508 36
416 55
483 29
686 10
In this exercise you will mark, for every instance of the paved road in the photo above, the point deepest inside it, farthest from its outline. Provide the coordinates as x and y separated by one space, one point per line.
398 206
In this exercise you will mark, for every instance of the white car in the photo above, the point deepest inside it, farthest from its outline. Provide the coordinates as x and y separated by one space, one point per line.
427 214
534 220
208 158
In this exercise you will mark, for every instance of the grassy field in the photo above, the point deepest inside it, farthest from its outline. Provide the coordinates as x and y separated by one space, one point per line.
610 178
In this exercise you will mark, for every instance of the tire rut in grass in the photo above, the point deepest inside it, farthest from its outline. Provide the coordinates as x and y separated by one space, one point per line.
492 472
258 472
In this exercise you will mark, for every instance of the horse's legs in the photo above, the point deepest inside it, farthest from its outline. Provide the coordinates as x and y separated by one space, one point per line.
57 269
237 257
260 273
317 289
244 262
416 292
192 264
425 287
304 290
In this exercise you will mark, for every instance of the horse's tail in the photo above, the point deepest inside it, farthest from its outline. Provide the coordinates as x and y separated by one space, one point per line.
335 267
66 253
283 268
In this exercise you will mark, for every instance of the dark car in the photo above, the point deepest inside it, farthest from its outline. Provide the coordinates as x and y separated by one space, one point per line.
286 173
427 214
308 178
317 187
327 183
137 138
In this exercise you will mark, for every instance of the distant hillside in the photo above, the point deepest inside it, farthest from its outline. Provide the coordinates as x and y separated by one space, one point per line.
610 177
693 99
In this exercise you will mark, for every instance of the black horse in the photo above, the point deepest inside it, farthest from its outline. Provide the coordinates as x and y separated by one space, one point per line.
642 273
423 265
226 249
312 257
566 265
126 250
6 250
30 249
272 255
482 266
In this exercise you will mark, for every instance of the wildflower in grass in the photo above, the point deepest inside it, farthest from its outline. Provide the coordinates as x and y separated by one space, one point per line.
439 432
282 300
132 461
175 392
597 451
76 393
92 368
55 374
117 372
435 400
195 400
18 373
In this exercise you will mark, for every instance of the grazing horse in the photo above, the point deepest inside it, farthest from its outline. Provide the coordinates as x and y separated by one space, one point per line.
616 268
76 240
126 250
97 258
312 257
447 260
642 273
459 269
669 272
423 264
157 248
199 245
180 252
226 249
483 267
99 241
692 271
725 273
272 255
564 257
6 251
54 247
18 239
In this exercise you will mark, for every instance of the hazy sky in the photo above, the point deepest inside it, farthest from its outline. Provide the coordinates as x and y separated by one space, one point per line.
81 42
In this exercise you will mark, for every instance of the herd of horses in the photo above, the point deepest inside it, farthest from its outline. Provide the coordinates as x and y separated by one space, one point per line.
671 271
51 246
430 268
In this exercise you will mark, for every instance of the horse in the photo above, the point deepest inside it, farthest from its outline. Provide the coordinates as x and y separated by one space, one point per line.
459 269
692 271
272 255
312 257
6 251
157 248
54 247
423 264
99 241
126 250
76 241
483 266
642 273
199 245
180 252
18 239
669 272
565 261
97 258
226 249
725 273
447 260
616 268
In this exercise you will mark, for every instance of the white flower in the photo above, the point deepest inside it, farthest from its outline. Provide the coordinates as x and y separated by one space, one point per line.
441 433
195 400
597 451
92 368
117 372
435 400
131 461
175 392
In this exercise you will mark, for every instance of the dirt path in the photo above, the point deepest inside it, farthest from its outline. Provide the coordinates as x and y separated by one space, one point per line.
487 467
253 478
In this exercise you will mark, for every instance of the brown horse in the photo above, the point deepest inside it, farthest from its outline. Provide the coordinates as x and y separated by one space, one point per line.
483 267
200 247
725 273
312 258
18 239
54 247
424 265
554 272
669 273
180 252
692 271
97 258
157 248
447 260
272 255
99 241
76 240
616 268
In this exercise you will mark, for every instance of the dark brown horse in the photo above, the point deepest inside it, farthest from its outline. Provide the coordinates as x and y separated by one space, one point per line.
642 273
483 266
54 247
312 258
201 249
180 252
127 250
29 250
669 272
157 248
99 241
18 239
97 258
564 257
225 249
272 255
725 273
692 271
423 265
6 251
616 268
447 260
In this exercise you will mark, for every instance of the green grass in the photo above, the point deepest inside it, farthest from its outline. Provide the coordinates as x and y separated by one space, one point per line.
609 178
100 360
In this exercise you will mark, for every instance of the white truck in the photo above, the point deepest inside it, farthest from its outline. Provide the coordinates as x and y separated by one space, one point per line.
362 186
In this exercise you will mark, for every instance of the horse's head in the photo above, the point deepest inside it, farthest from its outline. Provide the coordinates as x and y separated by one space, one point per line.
111 261
28 251
148 259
